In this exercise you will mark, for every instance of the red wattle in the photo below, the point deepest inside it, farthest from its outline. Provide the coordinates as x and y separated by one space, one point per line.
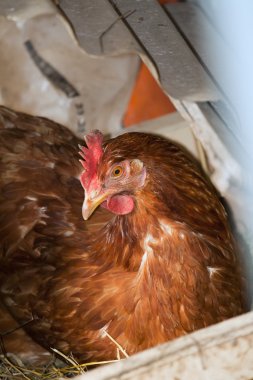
120 204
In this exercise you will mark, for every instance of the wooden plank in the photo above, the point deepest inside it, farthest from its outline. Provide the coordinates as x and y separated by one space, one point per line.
180 73
220 352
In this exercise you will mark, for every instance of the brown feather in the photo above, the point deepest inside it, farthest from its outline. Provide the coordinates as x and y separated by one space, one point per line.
168 268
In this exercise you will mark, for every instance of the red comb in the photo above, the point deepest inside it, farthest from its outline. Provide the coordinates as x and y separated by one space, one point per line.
91 156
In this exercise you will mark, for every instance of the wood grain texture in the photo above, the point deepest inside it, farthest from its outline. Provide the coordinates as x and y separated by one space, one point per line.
220 352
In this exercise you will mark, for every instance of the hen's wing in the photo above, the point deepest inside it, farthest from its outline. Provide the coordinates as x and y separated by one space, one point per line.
40 207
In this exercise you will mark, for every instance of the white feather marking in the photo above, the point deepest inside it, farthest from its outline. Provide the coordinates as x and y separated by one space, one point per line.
147 240
148 250
31 198
181 235
71 231
50 165
143 261
68 233
23 230
166 228
212 271
42 211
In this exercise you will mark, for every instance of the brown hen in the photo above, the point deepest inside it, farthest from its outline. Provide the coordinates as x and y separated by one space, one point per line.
155 261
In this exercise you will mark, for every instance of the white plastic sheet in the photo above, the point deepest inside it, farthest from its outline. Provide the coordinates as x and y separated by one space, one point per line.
103 84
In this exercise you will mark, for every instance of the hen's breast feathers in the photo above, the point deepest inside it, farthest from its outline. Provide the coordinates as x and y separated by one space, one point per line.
166 269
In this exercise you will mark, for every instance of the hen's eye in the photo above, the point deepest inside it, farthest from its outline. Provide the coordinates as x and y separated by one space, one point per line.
117 171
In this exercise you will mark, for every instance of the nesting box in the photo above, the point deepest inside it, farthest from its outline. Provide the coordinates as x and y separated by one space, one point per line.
185 103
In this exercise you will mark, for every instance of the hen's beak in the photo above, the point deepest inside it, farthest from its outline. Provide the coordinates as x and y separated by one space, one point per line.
91 202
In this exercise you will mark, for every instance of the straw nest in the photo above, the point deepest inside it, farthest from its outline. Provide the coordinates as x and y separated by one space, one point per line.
61 366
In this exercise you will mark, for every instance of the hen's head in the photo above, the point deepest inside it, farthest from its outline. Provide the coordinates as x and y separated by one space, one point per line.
109 178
